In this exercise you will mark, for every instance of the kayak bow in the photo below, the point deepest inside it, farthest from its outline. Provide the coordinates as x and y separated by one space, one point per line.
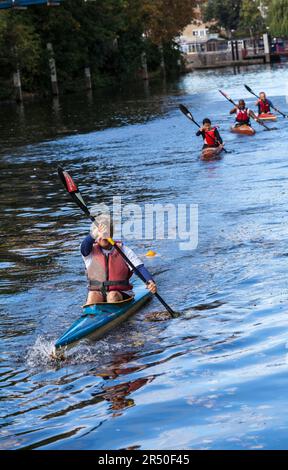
244 130
267 117
97 319
211 153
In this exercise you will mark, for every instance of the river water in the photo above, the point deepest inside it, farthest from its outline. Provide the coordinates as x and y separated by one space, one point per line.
216 376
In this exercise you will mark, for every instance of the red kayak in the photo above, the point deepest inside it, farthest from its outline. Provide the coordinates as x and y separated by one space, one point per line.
267 117
245 130
211 152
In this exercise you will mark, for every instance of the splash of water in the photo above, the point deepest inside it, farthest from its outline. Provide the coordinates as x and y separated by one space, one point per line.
41 353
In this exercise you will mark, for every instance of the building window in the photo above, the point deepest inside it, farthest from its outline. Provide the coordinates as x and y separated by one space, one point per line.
195 33
211 47
192 48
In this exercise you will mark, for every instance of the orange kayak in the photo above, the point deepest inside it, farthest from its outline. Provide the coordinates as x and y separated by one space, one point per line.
211 152
245 130
267 117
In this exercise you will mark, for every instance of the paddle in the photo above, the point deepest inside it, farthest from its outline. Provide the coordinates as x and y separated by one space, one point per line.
253 115
74 192
273 107
190 116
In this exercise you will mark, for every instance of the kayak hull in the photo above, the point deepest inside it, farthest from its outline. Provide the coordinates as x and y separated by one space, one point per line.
211 153
244 130
267 117
97 319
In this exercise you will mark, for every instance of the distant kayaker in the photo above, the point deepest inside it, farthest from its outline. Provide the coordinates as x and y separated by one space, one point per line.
243 114
108 273
211 136
264 105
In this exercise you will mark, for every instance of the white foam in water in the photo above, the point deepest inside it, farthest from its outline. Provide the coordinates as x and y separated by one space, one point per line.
41 353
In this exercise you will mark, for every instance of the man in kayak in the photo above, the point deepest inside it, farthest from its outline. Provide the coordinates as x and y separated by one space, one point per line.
243 114
108 273
211 136
264 105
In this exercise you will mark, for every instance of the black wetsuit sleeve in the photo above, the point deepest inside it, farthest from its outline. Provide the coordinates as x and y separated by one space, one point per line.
200 133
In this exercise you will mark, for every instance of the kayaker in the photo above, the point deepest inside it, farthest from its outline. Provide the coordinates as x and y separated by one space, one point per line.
108 273
242 114
264 105
211 136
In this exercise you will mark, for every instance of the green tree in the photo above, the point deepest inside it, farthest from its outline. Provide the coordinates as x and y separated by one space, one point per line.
163 20
109 35
225 12
251 19
81 34
20 46
278 17
159 22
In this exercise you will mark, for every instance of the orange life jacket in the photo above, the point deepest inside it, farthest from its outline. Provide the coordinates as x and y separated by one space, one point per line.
108 272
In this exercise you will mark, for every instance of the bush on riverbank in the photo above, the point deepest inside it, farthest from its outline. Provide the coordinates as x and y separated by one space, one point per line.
107 35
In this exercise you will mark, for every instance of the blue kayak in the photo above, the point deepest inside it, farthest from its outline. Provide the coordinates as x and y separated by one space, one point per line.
99 318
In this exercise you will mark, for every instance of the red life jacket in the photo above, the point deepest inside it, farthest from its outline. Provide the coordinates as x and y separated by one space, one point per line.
264 107
242 115
210 138
108 272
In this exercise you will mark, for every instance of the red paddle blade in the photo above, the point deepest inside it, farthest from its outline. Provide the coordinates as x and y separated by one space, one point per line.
67 180
73 190
71 186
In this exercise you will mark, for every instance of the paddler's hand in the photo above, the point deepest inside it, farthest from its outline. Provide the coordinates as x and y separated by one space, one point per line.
94 231
151 286
99 231
103 231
